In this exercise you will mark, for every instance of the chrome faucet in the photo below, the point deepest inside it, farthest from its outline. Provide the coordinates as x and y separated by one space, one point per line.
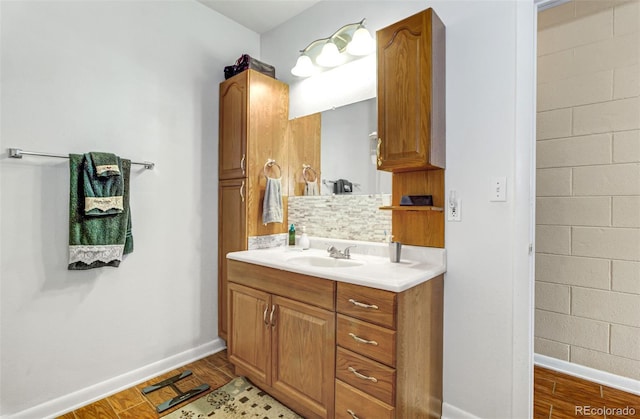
337 254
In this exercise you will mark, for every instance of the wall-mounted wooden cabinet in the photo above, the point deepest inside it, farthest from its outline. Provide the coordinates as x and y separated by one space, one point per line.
254 111
411 123
411 94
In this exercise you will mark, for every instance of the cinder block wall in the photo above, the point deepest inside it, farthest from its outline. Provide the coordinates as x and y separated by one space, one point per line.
588 185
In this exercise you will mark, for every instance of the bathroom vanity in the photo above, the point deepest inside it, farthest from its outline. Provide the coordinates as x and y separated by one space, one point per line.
344 340
336 337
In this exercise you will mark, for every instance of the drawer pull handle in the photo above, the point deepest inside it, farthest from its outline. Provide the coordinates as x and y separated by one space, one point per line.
360 340
363 305
242 160
353 415
364 377
264 315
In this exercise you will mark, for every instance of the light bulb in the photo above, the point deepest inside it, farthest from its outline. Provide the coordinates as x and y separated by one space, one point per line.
362 42
330 56
304 67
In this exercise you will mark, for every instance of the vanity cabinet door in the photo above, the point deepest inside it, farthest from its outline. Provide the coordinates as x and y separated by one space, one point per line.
249 345
303 354
232 236
411 101
233 127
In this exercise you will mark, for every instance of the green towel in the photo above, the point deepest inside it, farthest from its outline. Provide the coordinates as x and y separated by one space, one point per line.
105 164
103 184
96 241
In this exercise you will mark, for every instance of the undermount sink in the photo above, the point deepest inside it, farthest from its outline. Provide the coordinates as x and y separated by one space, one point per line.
324 262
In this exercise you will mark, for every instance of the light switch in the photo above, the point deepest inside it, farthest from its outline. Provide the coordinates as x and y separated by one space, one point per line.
498 189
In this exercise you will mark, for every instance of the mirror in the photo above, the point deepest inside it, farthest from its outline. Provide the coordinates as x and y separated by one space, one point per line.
349 152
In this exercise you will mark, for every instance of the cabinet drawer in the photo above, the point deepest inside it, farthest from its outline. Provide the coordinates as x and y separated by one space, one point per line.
369 304
364 374
367 339
363 406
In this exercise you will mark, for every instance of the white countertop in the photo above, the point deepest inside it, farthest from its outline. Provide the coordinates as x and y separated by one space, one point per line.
376 271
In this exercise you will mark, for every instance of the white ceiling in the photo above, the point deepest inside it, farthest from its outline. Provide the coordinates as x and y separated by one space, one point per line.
259 15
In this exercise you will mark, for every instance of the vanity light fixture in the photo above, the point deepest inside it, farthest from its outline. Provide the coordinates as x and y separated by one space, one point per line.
351 40
330 55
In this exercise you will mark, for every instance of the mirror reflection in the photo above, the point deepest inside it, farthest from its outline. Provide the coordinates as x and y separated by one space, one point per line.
348 151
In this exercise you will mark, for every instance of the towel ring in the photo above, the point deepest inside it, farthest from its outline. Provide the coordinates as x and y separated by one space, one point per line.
269 164
305 172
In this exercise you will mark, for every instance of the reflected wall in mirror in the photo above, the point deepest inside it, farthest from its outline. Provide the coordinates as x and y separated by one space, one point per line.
348 152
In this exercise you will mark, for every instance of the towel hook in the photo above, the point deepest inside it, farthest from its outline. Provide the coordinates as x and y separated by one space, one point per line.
269 164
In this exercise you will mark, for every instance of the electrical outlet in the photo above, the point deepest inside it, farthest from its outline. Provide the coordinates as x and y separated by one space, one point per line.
498 189
453 207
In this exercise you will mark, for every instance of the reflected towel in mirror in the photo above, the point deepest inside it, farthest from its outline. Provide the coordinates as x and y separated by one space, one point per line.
272 204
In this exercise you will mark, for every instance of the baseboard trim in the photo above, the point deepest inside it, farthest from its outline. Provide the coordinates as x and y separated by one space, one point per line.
601 377
69 402
452 412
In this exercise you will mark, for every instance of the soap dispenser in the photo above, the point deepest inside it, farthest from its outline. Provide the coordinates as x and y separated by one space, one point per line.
292 235
304 239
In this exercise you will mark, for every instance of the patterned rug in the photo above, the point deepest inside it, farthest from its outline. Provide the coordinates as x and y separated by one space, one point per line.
236 399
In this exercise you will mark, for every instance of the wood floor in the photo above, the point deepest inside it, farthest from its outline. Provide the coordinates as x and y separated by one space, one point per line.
132 404
556 395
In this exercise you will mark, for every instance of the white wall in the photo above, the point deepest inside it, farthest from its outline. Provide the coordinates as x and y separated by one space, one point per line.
139 79
490 50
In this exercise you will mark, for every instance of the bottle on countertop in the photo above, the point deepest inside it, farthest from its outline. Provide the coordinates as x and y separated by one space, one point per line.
304 239
292 235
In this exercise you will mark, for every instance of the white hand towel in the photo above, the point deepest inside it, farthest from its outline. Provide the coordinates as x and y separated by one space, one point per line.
311 188
272 204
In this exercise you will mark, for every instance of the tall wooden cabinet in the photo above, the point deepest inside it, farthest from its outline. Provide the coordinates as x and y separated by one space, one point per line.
254 111
411 94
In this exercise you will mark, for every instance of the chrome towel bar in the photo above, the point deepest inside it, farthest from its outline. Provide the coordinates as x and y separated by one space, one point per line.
17 153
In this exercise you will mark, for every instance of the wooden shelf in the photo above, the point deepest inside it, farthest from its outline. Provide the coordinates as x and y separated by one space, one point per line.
412 208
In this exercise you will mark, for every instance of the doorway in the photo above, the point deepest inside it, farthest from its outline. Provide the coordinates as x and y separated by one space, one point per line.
587 259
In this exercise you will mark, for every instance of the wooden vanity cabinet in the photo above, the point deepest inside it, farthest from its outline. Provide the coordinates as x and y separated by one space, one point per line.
254 110
411 94
282 335
332 349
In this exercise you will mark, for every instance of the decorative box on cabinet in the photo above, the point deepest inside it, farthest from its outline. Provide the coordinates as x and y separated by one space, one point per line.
254 111
411 94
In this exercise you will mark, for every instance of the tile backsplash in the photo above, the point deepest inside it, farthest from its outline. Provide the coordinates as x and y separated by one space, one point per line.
349 217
